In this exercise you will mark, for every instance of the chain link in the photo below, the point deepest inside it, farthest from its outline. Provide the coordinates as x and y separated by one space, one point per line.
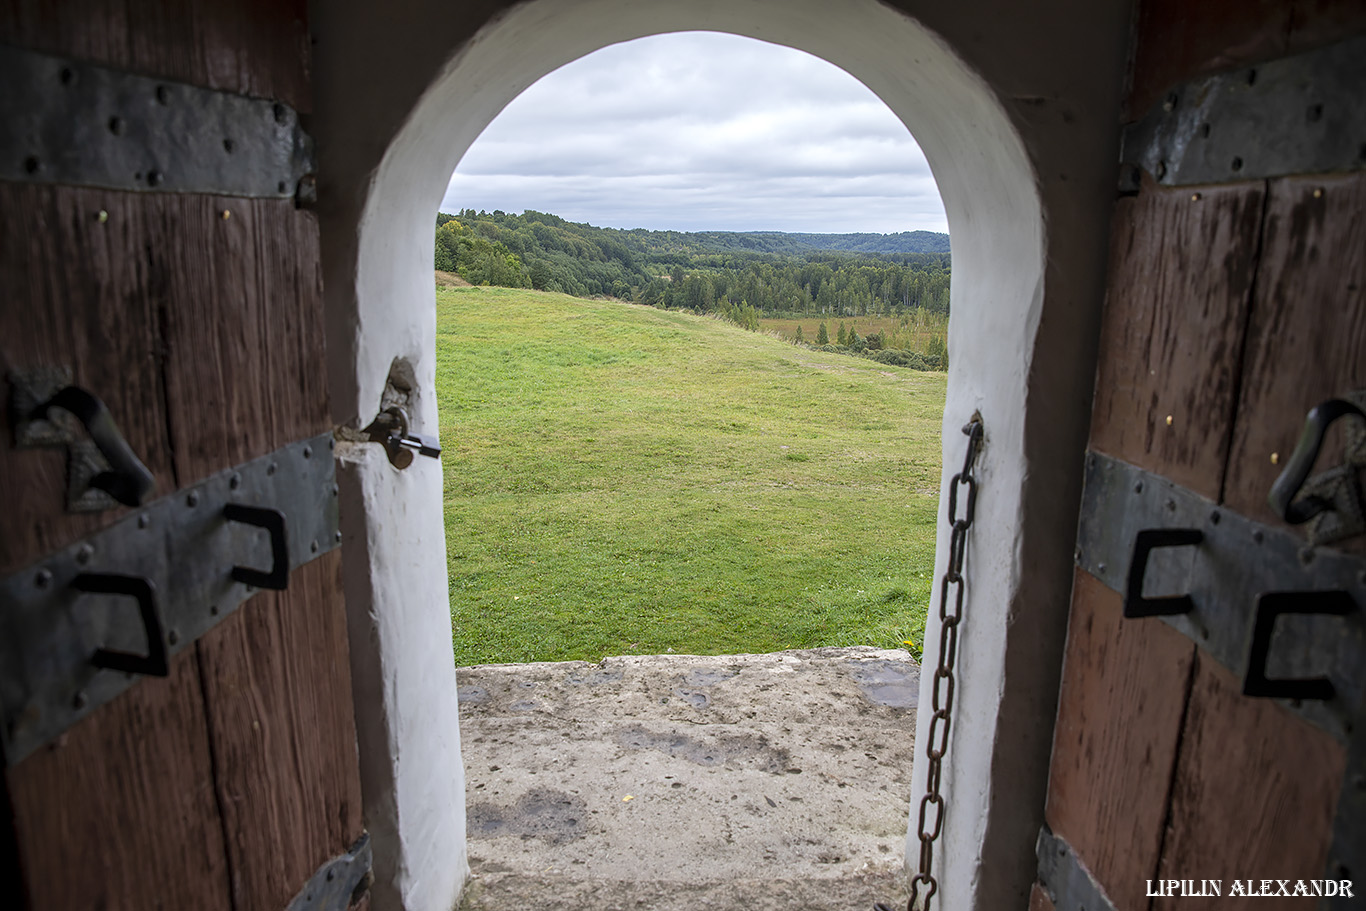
937 739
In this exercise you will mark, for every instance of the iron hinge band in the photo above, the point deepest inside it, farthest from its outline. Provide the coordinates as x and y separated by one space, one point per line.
72 122
85 623
340 882
1230 589
1304 114
1062 875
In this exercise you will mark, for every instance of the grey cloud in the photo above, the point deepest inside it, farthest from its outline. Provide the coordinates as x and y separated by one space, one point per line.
700 131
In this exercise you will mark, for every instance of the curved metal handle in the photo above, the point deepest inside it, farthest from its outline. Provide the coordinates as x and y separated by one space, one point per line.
154 663
273 521
1270 606
1316 424
128 480
1145 542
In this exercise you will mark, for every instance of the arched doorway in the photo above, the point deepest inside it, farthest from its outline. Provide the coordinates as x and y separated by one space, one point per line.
1012 118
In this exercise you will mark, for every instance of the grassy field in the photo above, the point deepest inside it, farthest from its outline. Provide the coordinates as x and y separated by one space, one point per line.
620 479
912 332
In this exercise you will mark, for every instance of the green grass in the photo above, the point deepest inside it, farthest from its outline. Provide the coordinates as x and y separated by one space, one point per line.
625 480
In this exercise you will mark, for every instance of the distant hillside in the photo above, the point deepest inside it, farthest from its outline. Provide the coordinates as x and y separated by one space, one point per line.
770 272
784 242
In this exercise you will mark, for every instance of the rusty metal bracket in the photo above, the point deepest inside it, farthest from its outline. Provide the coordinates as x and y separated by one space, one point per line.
1304 114
72 122
340 882
67 641
1220 579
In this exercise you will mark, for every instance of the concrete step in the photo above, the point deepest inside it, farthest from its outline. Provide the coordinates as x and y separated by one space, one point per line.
662 781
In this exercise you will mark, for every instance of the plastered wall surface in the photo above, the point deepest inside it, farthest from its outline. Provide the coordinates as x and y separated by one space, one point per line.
1016 111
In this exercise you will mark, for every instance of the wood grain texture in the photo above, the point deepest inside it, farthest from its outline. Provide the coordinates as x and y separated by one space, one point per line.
1119 717
1038 899
1181 273
278 691
1255 793
74 292
1306 335
241 307
119 813
256 47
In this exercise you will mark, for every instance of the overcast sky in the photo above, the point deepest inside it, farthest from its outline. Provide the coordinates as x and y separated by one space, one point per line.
701 131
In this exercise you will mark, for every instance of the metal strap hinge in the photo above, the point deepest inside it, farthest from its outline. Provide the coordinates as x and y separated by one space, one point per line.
85 623
340 882
1062 875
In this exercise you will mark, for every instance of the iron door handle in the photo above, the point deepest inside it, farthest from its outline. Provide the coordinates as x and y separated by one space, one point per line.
127 480
273 521
1270 606
154 663
1145 542
1301 462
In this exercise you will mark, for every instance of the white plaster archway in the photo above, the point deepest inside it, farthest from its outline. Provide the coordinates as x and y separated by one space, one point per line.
1015 116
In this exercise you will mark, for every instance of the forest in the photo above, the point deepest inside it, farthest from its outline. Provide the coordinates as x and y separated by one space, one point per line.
739 276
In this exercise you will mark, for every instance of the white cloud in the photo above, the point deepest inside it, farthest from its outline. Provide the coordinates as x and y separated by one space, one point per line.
702 131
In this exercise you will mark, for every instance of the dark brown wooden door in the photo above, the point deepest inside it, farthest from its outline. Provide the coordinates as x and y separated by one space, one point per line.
1233 307
198 320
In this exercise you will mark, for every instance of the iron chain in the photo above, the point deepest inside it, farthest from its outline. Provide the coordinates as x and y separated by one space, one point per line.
937 739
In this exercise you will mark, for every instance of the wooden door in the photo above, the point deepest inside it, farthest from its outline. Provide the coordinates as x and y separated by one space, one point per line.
1234 305
197 318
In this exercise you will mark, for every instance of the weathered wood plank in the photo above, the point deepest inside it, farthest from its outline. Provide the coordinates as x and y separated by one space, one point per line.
1307 331
278 691
1181 272
75 294
1038 899
1255 793
241 303
120 812
258 47
1119 716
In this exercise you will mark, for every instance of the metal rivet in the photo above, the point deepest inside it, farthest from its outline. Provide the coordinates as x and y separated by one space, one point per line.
154 178
1307 555
1315 113
84 554
213 610
1195 197
144 521
1204 131
67 75
1138 488
80 701
172 636
331 875
1275 458
1169 420
116 125
228 146
1318 192
43 579
192 499
163 94
1076 554
1251 77
1161 170
227 213
1100 566
281 113
272 468
1214 517
235 481
338 537
102 217
1258 536
32 164
1171 505
1236 164
282 187
308 452
331 444
335 490
313 546
1170 103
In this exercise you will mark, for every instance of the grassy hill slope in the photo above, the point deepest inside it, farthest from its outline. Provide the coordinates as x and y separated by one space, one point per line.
621 479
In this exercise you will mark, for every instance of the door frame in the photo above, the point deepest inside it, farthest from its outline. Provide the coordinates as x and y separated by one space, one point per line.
1016 114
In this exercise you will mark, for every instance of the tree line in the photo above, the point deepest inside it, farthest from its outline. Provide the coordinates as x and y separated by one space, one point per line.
740 276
